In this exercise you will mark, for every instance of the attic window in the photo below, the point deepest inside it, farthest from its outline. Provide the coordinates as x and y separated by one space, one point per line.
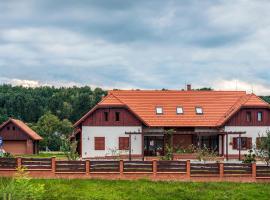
117 116
159 110
179 110
106 116
199 110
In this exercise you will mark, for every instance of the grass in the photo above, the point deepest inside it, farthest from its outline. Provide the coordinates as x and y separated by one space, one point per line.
147 190
44 154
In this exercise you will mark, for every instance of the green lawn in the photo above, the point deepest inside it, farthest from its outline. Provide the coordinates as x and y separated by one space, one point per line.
143 189
43 154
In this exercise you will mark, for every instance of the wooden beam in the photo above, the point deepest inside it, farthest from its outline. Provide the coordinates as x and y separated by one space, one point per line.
227 151
129 155
142 147
240 144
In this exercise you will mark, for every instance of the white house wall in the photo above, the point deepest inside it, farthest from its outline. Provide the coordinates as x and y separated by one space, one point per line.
251 131
111 134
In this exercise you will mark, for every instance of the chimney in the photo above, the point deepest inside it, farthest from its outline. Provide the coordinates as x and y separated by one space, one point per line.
188 87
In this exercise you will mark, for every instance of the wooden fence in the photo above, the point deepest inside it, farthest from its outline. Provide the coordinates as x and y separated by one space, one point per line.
155 167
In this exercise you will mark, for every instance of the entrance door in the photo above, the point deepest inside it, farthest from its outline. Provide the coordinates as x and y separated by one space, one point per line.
153 145
211 142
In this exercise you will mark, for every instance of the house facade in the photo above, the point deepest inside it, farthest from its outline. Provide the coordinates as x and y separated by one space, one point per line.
139 123
18 138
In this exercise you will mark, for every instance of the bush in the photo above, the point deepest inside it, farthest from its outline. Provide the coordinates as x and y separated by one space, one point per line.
20 187
7 155
263 148
250 157
70 149
205 154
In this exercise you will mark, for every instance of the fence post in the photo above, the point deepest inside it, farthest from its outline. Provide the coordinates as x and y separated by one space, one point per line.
87 167
19 162
154 167
53 164
121 167
188 168
254 169
221 170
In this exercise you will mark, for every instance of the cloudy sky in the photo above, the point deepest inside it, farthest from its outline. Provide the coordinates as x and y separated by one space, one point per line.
143 44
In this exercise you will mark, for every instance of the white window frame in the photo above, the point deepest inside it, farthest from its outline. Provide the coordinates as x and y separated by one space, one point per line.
260 116
197 109
159 110
179 110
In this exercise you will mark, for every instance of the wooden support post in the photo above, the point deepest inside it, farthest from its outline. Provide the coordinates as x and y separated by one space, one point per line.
129 148
53 165
188 168
19 162
142 147
154 167
227 147
87 167
240 145
221 170
254 169
121 167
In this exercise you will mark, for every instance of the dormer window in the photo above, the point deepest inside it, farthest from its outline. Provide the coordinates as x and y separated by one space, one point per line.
106 116
179 110
117 116
248 116
159 110
260 117
199 110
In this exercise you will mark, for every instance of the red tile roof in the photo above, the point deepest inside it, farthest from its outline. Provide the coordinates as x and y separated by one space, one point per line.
218 106
24 128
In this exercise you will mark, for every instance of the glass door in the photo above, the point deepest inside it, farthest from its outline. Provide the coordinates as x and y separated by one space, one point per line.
153 145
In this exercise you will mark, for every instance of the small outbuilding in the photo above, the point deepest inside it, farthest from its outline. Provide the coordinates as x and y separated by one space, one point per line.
18 138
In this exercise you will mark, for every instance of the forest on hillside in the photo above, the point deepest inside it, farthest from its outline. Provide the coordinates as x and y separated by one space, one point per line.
29 104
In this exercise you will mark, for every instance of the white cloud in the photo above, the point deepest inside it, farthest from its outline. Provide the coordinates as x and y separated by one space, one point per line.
239 85
204 43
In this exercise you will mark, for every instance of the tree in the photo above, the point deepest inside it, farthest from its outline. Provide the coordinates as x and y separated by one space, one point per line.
70 149
263 148
52 129
29 104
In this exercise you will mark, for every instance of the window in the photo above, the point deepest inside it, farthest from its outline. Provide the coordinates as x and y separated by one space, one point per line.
13 128
259 116
243 142
123 143
179 110
99 143
8 127
259 141
117 116
106 116
159 110
199 110
248 116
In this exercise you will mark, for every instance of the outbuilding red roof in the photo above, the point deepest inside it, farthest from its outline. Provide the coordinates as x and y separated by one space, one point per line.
23 127
218 106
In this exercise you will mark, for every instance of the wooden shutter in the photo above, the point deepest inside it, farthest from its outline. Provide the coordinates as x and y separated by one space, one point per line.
235 143
249 143
99 143
123 143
